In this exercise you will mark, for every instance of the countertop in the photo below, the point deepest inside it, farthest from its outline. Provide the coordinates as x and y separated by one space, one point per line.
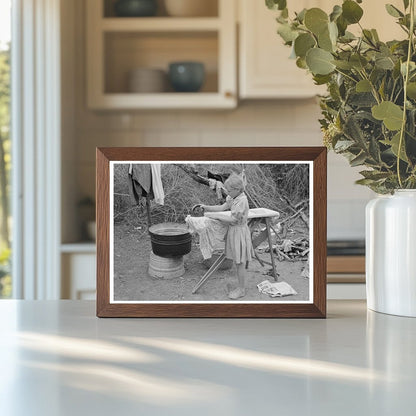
57 358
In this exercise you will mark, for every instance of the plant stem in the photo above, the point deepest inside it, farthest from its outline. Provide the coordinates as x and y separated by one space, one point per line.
346 75
406 79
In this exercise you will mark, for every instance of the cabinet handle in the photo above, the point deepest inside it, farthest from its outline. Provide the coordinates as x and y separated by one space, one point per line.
229 94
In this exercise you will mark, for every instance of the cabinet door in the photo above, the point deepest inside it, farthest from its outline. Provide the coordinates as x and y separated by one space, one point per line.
78 276
265 68
266 71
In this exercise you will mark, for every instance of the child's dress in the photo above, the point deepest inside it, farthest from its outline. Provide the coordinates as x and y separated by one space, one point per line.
238 245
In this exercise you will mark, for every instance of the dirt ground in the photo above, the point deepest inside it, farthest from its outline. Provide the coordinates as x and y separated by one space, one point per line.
133 283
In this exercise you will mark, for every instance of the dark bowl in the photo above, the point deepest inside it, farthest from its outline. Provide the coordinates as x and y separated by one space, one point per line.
170 239
135 8
186 76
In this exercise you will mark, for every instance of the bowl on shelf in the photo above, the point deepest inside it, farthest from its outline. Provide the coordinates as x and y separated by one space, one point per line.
186 76
147 80
135 8
191 8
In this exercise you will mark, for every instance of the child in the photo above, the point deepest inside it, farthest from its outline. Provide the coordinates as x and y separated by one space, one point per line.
238 246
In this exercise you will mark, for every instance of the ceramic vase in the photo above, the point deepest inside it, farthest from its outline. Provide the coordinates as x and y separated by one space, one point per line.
391 253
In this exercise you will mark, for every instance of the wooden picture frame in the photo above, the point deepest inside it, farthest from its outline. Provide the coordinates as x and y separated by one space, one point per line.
313 305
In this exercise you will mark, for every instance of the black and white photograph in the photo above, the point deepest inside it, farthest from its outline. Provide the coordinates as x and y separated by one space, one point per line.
221 232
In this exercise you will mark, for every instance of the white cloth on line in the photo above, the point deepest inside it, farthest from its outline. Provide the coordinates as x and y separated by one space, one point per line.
211 234
157 185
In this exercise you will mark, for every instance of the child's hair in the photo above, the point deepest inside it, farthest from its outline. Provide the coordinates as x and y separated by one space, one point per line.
235 181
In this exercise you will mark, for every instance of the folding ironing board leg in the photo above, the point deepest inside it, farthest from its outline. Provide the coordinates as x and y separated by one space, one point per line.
209 273
269 237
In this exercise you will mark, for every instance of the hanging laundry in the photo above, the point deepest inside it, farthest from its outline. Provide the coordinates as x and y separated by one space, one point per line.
211 234
222 177
218 187
140 181
157 185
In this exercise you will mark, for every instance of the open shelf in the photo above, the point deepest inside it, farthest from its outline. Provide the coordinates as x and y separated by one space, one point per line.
210 9
116 46
160 24
127 51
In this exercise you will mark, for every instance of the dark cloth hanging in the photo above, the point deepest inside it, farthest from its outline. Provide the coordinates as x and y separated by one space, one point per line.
140 182
222 177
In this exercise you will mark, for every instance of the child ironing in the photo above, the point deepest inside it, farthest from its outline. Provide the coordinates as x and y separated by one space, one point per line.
238 245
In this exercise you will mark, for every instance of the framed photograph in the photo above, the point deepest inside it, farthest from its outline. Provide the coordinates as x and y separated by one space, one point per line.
211 232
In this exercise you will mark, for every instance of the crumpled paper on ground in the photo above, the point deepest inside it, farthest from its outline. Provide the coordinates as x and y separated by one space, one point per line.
276 289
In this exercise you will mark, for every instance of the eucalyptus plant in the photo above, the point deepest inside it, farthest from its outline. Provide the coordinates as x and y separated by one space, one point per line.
369 111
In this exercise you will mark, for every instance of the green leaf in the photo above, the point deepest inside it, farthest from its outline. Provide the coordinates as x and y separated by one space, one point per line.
411 90
406 4
362 99
301 63
374 150
391 114
287 33
321 79
374 174
396 70
342 25
412 67
333 32
303 43
276 4
393 11
336 12
375 35
301 15
368 36
394 143
316 20
343 145
382 89
358 61
363 86
359 160
319 61
351 11
384 62
347 37
344 65
353 131
365 182
325 42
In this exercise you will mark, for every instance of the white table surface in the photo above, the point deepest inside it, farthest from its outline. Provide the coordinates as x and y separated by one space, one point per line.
57 358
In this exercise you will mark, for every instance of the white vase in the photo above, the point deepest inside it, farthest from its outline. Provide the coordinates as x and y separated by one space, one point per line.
391 253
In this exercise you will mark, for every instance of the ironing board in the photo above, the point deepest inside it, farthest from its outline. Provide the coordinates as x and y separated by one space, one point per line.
255 216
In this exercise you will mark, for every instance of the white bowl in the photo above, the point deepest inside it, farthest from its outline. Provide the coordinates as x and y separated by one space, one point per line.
147 80
191 8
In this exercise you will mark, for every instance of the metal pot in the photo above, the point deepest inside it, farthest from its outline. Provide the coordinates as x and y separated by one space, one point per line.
170 239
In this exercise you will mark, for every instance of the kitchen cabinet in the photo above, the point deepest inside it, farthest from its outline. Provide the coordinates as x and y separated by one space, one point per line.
78 263
118 45
265 70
